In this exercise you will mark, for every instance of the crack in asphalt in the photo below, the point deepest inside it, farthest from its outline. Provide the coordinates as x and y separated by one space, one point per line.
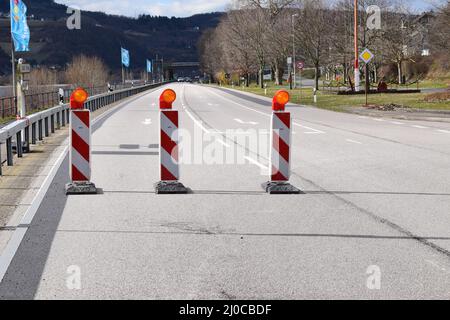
368 213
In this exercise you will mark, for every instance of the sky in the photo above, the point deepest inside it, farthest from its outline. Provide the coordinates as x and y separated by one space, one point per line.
177 8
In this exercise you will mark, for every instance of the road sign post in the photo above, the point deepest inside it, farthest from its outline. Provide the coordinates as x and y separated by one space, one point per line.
366 56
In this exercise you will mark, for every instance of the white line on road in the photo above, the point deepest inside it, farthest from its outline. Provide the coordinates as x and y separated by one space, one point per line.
246 122
198 123
313 131
378 119
147 122
240 105
13 245
362 117
443 131
353 141
419 127
396 122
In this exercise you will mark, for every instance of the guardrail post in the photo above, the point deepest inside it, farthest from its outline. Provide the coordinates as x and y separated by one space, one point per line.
9 153
58 120
46 126
19 144
52 123
40 137
63 118
67 116
27 139
33 133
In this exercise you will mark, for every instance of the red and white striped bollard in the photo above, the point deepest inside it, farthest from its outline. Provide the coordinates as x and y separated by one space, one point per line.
168 154
80 146
281 137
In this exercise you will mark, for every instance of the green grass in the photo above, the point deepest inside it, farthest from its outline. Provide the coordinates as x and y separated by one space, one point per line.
7 119
341 102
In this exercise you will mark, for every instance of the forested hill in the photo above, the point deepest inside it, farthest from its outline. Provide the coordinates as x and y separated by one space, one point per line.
102 35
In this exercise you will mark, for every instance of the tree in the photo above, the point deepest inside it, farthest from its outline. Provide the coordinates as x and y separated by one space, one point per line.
86 71
314 32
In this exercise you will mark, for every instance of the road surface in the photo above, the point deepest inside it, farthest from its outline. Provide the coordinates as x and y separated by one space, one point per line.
373 222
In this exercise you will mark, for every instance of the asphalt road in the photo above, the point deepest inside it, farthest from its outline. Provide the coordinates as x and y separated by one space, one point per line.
376 203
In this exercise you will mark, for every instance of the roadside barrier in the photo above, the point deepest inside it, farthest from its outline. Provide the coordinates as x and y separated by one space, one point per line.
80 146
168 155
281 137
37 126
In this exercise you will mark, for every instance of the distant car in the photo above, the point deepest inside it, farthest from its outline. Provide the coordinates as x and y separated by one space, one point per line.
187 79
180 79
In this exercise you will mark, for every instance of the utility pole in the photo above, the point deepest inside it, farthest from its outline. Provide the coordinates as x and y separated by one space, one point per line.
293 50
357 78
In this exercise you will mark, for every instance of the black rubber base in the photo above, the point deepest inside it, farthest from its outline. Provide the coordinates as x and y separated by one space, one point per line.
75 188
164 187
280 188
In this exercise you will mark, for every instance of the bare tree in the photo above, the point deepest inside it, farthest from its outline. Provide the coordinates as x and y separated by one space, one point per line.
87 71
313 32
42 79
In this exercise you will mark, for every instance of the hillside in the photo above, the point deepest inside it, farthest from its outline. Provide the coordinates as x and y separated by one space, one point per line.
52 44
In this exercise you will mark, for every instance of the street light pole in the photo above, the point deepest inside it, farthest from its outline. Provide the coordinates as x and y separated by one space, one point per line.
293 51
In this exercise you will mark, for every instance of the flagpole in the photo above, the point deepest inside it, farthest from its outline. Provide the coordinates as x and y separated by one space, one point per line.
13 64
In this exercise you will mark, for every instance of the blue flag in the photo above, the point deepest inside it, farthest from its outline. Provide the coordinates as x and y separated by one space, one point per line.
149 66
19 27
125 57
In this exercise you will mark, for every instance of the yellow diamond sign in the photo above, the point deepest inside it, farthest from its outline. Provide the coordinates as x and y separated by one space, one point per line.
366 56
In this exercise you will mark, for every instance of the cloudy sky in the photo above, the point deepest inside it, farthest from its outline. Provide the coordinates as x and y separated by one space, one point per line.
177 8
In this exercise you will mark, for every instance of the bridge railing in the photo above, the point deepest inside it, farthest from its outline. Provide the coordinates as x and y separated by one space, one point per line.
42 124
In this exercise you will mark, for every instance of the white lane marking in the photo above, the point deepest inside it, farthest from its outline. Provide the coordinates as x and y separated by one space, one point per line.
419 127
246 122
147 122
16 239
313 131
256 163
378 119
362 117
396 122
443 131
353 141
198 123
223 143
240 105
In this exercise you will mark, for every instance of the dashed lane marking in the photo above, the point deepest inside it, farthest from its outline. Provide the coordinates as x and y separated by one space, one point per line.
353 141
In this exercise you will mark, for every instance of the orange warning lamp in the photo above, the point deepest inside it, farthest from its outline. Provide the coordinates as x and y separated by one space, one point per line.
78 98
167 98
280 100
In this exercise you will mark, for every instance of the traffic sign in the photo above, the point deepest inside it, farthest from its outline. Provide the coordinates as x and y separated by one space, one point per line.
300 65
289 60
366 56
24 68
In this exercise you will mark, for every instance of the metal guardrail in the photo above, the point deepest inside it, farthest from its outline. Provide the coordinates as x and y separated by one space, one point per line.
44 123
